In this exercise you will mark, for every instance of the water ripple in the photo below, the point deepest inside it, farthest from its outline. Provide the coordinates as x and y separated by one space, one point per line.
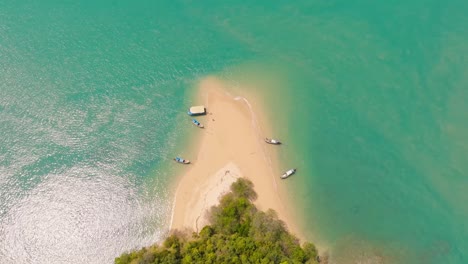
83 215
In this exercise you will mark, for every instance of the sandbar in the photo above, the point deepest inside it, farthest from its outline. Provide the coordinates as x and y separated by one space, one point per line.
231 146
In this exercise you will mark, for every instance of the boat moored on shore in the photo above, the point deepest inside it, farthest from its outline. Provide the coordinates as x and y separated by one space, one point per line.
272 141
198 124
181 160
197 110
288 173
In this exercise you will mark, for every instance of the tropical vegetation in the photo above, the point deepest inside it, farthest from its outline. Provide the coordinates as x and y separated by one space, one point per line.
238 233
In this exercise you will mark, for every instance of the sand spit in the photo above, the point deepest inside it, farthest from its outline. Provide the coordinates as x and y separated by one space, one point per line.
231 146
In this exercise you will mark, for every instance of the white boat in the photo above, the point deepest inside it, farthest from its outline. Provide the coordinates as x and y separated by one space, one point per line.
197 110
272 141
288 173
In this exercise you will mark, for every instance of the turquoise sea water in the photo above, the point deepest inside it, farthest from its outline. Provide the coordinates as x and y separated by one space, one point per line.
92 102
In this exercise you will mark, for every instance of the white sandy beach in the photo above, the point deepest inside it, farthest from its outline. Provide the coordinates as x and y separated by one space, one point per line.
231 146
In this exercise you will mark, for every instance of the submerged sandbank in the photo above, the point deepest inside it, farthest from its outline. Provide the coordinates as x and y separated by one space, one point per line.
231 146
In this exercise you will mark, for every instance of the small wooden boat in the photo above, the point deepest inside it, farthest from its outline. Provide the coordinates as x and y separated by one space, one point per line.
288 173
272 141
181 160
198 124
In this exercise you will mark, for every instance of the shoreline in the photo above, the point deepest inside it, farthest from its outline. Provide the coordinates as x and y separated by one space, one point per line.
231 146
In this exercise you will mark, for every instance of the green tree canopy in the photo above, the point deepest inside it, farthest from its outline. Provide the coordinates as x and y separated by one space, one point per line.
238 233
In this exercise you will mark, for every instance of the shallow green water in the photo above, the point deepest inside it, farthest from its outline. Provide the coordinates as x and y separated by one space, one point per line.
92 103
